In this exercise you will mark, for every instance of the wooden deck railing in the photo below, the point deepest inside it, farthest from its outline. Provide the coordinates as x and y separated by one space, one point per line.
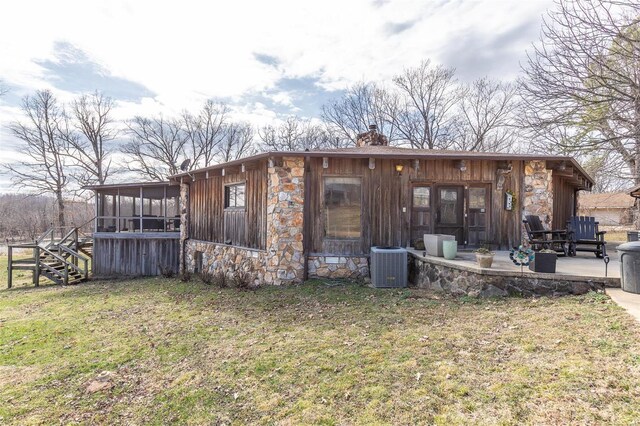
57 258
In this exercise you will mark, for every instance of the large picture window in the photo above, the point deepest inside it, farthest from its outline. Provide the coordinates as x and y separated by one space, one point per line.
234 196
342 207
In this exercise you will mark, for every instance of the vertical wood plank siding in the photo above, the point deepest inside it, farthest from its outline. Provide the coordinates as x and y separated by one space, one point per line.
563 202
384 194
134 256
210 222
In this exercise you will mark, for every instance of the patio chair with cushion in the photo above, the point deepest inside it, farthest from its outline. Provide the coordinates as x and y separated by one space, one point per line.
584 232
541 238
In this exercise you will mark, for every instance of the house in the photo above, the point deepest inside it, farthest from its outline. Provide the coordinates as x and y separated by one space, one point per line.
286 216
609 208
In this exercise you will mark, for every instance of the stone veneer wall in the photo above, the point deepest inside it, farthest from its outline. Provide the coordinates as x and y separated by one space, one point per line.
486 283
282 262
226 259
285 203
352 267
184 225
538 191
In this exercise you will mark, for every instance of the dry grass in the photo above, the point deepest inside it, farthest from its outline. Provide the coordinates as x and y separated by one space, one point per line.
615 236
162 351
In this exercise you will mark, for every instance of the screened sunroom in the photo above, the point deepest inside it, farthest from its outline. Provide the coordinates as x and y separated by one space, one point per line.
137 229
140 207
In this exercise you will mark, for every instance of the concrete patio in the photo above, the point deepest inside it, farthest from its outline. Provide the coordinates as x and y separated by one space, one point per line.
583 265
463 276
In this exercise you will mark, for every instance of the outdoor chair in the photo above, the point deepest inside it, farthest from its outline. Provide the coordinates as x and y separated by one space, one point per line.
540 238
584 232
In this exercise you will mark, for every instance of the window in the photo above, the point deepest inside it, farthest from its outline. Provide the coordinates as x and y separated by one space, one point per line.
342 207
234 196
421 195
477 198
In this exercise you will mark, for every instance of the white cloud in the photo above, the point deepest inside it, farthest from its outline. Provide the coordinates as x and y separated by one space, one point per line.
185 52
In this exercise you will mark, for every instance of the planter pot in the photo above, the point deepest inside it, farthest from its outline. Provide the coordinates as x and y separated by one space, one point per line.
544 262
484 260
449 249
433 243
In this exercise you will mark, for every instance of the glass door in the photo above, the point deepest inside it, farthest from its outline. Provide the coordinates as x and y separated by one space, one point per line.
449 205
478 214
420 212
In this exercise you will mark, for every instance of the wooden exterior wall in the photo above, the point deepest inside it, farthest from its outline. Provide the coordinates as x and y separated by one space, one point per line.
135 255
384 194
564 202
210 221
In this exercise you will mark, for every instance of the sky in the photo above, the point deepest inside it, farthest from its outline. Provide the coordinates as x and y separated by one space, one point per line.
265 59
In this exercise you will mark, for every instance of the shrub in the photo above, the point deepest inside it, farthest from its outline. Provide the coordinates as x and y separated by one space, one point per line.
242 280
218 279
185 276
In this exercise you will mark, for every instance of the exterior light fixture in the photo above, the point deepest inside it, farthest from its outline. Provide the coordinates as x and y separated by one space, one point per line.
399 168
461 165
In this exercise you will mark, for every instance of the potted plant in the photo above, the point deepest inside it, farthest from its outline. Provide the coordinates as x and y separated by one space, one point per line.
484 257
544 261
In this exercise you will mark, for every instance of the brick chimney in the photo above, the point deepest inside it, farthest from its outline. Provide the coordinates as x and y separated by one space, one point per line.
371 138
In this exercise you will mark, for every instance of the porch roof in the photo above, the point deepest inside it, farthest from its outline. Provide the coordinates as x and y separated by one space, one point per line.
398 153
127 185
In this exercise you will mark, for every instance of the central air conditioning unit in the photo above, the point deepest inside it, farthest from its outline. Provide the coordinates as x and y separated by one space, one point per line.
388 267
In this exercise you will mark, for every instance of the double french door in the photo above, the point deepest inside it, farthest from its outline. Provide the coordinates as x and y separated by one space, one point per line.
461 211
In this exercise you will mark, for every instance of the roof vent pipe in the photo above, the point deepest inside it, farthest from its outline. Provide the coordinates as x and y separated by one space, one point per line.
373 127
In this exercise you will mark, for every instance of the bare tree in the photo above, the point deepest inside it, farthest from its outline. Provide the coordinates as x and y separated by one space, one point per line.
236 143
486 116
362 104
204 132
24 218
156 147
288 136
581 85
90 148
604 169
426 114
43 135
296 134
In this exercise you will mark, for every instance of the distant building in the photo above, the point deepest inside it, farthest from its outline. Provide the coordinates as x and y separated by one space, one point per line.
609 208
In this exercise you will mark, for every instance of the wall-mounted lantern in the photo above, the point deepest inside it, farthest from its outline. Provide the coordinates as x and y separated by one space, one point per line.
399 168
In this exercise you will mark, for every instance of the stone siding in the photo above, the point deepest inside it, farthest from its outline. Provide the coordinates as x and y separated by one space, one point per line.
184 224
285 203
464 282
538 191
352 268
226 259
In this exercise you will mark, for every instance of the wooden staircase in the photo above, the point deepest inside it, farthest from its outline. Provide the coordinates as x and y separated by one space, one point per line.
63 260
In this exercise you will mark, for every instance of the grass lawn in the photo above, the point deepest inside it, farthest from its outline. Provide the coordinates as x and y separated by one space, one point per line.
162 351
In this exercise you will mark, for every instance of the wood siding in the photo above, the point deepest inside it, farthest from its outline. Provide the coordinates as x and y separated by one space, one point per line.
385 193
208 219
134 256
564 202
